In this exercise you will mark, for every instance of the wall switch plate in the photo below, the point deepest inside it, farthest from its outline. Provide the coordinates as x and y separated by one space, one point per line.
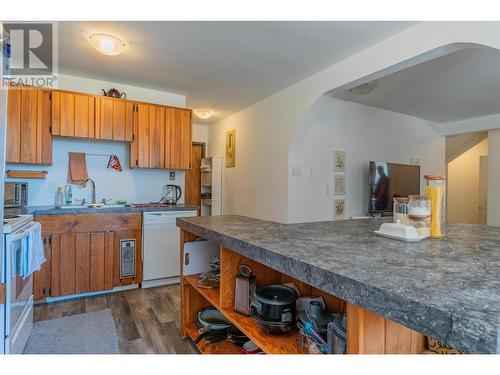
52 187
296 171
172 176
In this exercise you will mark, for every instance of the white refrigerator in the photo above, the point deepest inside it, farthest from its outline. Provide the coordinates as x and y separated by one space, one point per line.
4 70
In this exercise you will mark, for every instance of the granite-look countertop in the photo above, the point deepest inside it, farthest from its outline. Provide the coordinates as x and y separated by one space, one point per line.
446 288
50 210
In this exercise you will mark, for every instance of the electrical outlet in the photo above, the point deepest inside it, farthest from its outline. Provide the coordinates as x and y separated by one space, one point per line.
296 171
172 176
415 161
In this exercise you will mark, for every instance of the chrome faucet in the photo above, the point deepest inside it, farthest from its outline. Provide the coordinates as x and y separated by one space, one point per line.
93 188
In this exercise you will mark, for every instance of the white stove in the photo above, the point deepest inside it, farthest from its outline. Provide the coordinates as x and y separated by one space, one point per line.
18 307
14 222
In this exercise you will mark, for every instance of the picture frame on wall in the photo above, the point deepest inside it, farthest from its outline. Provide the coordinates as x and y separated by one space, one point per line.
230 148
339 161
339 208
339 184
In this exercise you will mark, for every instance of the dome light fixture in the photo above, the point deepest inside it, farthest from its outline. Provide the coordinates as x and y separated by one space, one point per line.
203 114
364 89
107 44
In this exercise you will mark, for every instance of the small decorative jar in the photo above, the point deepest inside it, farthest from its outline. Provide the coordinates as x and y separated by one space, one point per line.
435 189
419 214
400 210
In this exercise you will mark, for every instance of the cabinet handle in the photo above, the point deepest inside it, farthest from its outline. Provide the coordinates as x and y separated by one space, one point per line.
186 259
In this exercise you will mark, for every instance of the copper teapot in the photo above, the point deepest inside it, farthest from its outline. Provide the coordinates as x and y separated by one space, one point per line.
114 93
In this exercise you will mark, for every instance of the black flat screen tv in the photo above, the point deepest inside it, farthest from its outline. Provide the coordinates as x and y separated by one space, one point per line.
388 181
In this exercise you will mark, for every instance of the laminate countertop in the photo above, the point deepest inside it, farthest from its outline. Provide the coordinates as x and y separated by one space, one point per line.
50 210
447 288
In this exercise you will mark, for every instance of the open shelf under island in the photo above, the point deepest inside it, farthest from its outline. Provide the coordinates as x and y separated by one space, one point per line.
394 294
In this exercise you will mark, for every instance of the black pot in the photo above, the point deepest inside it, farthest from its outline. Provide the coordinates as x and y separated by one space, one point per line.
275 303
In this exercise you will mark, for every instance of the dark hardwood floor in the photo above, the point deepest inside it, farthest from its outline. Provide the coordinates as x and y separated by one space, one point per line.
147 320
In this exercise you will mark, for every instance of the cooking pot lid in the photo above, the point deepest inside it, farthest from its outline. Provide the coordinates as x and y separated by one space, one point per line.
276 294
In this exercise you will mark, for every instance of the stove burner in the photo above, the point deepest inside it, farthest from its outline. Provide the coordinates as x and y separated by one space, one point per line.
10 217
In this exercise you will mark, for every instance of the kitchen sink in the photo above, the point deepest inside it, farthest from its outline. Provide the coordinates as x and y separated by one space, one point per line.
98 205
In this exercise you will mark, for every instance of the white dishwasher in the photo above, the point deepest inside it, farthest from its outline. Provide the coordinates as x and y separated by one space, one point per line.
160 247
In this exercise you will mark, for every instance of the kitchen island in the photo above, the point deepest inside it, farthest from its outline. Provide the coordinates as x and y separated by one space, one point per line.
447 289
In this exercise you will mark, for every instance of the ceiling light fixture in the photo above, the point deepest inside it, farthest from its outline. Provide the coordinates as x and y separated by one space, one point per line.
107 44
203 114
364 89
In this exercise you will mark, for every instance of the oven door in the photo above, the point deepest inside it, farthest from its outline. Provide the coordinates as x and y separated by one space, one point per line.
19 291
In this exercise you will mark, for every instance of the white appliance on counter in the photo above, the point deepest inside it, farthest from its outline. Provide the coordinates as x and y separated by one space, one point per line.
211 186
160 247
18 308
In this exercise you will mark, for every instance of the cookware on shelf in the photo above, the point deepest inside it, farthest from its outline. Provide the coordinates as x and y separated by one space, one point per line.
273 308
215 327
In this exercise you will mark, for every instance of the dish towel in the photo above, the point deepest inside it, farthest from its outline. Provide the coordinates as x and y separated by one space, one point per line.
32 251
77 168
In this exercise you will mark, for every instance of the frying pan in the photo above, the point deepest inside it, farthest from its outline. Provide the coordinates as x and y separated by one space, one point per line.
215 327
211 322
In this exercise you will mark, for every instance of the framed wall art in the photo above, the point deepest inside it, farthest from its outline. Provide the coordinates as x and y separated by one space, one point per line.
339 208
339 161
339 184
230 148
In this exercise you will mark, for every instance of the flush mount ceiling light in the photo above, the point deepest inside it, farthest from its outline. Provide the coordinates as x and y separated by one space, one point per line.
107 44
364 89
203 114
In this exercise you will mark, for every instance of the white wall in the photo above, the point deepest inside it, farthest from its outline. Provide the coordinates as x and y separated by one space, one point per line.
132 185
463 185
266 130
200 133
494 177
93 86
365 133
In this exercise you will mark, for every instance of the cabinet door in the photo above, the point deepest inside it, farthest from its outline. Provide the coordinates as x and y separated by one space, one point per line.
114 119
29 101
142 136
44 135
178 139
104 118
72 115
14 125
156 136
41 279
28 126
79 263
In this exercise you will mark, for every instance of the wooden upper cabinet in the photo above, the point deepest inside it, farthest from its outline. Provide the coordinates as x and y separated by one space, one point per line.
114 119
28 126
178 140
73 115
148 148
156 136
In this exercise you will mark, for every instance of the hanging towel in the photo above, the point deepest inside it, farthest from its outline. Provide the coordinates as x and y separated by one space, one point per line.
114 163
32 251
77 168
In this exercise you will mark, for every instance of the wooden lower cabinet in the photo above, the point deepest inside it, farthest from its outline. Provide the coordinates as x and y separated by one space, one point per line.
83 253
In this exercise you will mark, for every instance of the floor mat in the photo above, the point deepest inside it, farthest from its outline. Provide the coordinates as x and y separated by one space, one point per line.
89 333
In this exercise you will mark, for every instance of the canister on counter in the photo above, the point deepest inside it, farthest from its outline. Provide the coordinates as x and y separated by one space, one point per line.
435 189
419 213
400 210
